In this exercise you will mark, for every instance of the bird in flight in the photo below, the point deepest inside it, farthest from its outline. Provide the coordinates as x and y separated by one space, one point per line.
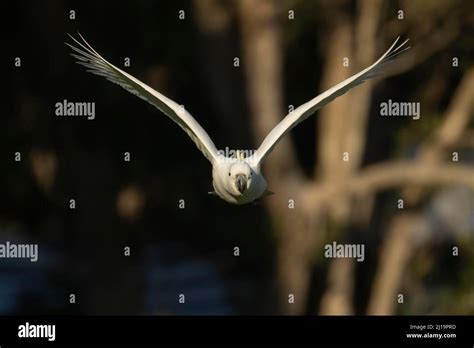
237 180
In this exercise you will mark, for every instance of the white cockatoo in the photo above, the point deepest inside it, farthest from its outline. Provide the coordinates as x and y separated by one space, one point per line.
237 180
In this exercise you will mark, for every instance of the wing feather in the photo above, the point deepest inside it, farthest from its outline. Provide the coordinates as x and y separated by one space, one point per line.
307 109
96 64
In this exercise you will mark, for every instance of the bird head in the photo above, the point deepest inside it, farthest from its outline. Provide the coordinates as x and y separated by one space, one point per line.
240 177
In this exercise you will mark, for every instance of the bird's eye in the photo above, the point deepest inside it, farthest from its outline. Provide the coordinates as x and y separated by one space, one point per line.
229 173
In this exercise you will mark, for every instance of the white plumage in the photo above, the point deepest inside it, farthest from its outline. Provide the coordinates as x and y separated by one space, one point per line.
236 180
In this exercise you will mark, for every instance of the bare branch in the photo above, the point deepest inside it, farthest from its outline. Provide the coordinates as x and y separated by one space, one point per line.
455 122
263 63
337 300
428 39
395 254
350 136
384 176
450 130
397 249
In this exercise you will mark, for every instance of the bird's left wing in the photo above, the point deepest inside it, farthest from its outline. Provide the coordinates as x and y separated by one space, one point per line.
96 64
304 111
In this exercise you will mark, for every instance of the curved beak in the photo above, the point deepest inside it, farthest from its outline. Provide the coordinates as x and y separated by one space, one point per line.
241 182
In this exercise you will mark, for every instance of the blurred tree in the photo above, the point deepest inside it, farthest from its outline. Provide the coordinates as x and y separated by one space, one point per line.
341 194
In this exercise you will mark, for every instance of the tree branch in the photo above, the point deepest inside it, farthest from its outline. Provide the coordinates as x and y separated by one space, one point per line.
384 176
397 249
431 38
337 299
351 138
263 63
455 123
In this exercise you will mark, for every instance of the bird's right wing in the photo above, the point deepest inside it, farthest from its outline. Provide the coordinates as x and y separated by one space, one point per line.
96 64
304 111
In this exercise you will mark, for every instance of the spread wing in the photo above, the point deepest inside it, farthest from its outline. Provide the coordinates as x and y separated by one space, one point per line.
96 64
304 111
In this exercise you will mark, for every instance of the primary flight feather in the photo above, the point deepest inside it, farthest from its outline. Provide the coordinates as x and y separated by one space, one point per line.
236 180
